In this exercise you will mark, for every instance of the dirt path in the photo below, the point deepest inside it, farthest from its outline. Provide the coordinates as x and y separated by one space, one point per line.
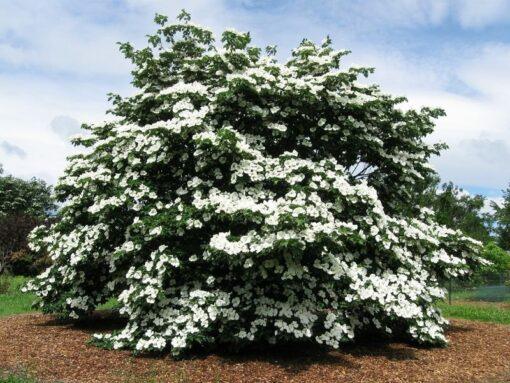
55 352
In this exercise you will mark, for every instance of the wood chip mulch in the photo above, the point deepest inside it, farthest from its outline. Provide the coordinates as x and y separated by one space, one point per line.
478 352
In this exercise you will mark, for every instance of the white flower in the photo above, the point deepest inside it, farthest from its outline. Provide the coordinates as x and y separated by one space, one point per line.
156 231
278 127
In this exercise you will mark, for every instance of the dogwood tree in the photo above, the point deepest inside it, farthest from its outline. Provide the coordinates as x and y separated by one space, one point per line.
239 199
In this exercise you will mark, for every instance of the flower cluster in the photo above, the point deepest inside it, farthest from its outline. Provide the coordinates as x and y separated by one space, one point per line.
239 199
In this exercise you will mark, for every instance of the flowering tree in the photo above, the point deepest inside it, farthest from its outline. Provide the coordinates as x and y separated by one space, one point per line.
238 199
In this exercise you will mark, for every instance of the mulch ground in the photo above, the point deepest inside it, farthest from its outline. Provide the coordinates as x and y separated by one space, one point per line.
478 352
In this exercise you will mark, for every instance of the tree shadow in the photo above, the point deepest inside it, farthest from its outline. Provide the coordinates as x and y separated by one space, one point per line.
292 358
457 328
297 357
98 321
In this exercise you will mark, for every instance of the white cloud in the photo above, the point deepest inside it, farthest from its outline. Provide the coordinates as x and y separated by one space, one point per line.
418 13
477 14
477 125
65 126
489 202
46 36
400 13
29 105
11 149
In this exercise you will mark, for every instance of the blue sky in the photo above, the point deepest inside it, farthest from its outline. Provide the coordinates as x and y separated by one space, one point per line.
58 59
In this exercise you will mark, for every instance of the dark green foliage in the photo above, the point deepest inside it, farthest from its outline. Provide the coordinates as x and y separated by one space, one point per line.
458 210
32 197
23 206
499 258
14 229
28 263
502 218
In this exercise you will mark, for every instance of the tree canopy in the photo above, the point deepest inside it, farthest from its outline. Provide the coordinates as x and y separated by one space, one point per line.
239 199
23 205
31 197
499 258
502 218
457 209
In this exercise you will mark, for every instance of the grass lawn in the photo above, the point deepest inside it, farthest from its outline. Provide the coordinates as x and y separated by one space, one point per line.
14 301
11 378
18 377
486 312
484 303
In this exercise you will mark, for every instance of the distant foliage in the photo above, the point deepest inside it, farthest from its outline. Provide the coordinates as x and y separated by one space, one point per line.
32 197
499 258
238 199
502 218
14 229
23 206
28 263
458 210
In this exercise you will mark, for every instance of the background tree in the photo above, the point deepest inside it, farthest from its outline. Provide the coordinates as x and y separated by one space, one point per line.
31 197
458 210
239 199
14 229
23 206
502 218
499 258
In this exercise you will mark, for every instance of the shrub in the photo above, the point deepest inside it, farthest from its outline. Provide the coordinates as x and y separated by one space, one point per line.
499 259
28 263
238 199
14 229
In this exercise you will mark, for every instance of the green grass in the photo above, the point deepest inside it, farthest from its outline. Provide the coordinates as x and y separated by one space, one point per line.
14 301
9 377
483 303
111 304
483 313
16 379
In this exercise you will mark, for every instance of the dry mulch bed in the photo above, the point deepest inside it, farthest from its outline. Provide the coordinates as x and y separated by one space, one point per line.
478 352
